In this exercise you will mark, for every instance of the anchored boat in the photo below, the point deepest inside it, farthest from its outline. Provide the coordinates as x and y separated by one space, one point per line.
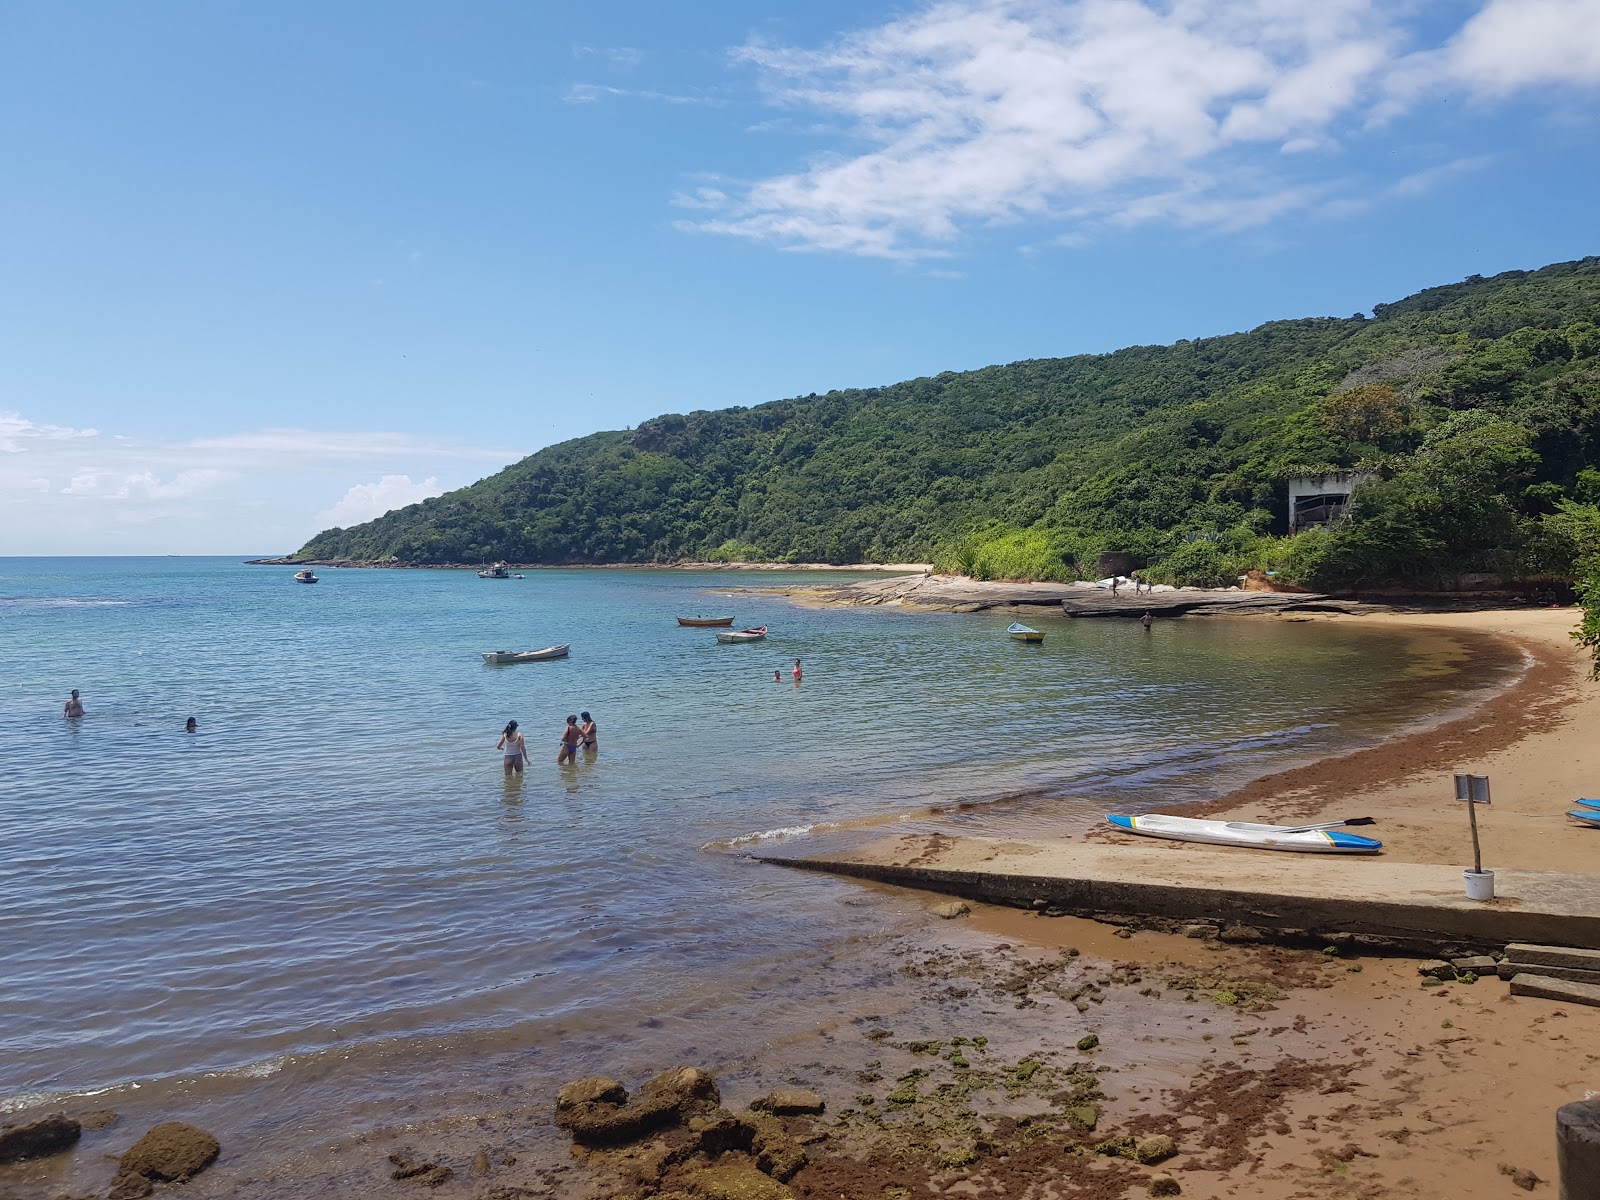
744 635
1307 839
704 622
500 658
305 576
499 571
1023 634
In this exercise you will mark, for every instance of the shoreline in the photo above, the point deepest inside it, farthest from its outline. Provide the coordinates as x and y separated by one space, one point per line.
1532 739
1341 1055
371 564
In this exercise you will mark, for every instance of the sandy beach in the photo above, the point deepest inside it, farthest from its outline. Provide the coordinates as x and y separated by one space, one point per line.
1535 741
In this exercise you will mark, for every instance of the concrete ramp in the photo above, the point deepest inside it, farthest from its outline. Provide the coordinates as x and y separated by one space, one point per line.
1417 905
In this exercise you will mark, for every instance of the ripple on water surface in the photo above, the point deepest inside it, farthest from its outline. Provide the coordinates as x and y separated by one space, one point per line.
335 858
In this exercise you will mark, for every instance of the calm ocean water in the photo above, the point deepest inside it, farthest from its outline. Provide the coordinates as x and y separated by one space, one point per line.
335 862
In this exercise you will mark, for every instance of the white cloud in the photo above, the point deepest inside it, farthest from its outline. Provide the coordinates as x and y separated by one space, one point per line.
590 93
17 432
968 113
1515 44
70 490
364 501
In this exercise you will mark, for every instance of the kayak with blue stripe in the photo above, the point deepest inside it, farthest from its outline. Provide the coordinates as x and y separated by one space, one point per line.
1304 839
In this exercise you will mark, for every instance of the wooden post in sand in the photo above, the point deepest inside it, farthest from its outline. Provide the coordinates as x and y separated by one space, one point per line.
1578 1149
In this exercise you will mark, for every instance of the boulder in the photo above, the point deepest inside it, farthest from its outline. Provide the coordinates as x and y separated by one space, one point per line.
602 1124
689 1088
1476 964
38 1139
1436 969
950 909
171 1151
597 1089
789 1102
1154 1149
1199 931
1089 1041
1163 1185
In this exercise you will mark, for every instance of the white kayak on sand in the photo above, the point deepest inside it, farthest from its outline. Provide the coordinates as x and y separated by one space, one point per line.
1306 839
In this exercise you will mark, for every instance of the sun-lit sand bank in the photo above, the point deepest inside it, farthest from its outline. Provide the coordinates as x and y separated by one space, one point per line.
1535 740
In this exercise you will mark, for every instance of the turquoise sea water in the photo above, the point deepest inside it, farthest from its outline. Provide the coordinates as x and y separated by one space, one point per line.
334 861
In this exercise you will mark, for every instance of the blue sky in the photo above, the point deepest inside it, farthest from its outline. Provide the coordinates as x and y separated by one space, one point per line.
271 267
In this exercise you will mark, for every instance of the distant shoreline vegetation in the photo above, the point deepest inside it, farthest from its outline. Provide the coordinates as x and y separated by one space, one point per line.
1472 411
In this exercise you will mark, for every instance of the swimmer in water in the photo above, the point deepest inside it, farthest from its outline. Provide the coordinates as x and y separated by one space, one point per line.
515 748
590 732
570 737
191 726
73 706
1147 620
796 671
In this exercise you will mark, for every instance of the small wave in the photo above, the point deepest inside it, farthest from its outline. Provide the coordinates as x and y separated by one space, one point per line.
58 602
770 835
26 1100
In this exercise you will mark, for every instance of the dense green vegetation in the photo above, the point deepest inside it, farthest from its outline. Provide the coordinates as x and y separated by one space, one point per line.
1475 407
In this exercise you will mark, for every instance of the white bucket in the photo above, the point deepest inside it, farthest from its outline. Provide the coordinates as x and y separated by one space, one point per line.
1480 884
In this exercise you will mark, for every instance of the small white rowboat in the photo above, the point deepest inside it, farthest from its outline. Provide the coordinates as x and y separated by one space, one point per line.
499 658
1023 634
1306 839
744 635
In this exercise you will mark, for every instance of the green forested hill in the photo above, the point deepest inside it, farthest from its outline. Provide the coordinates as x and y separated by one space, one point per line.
1475 405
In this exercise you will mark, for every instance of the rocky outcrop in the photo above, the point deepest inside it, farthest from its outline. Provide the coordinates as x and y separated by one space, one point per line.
171 1151
674 1138
597 1112
38 1139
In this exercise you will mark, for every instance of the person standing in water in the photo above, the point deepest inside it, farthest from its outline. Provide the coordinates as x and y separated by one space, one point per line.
796 671
570 737
776 678
590 732
73 707
515 748
1147 620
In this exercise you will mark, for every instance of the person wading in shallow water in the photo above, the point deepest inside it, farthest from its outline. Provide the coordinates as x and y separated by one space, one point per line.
796 671
514 746
1147 620
191 726
73 706
590 732
570 737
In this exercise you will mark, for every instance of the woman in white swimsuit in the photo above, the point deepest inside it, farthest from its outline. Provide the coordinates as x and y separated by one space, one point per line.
514 748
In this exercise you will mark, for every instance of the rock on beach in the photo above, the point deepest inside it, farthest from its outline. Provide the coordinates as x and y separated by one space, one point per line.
38 1139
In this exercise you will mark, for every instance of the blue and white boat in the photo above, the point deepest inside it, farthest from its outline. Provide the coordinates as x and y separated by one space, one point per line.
1305 839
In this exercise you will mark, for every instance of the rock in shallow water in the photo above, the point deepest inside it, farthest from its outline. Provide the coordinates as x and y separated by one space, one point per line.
38 1139
595 1089
173 1150
789 1102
